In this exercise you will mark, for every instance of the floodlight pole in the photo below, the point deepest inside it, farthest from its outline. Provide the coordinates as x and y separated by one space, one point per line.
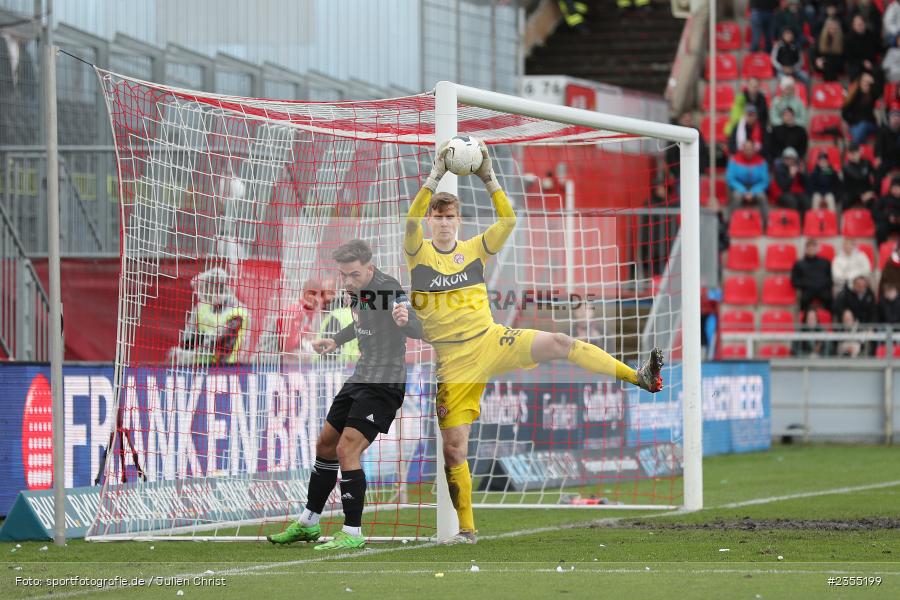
55 327
445 123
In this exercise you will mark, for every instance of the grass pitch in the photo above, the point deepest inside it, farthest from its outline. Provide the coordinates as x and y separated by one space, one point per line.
794 522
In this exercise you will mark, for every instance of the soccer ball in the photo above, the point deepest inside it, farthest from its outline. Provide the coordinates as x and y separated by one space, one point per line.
463 155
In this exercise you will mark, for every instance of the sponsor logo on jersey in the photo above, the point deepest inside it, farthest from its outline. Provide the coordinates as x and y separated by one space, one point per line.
371 418
441 411
347 496
458 258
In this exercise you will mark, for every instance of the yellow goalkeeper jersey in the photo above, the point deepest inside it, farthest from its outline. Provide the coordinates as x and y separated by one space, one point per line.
448 289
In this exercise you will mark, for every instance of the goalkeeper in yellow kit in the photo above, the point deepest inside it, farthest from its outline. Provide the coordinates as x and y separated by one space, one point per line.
451 300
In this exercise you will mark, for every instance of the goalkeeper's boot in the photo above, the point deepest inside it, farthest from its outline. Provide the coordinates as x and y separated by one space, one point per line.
463 537
648 376
343 541
296 533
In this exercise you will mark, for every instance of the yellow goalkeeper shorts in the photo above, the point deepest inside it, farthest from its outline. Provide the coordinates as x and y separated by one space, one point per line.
464 368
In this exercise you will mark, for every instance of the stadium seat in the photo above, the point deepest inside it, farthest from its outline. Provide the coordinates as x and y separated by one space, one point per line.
780 257
724 97
826 126
777 320
824 316
881 351
867 151
726 67
826 251
869 250
834 157
884 252
741 290
742 257
733 352
783 223
857 222
774 351
820 223
828 96
745 223
778 291
706 128
737 320
757 64
728 36
721 190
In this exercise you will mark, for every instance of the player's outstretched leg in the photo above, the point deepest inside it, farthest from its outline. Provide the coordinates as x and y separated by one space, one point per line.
649 376
321 482
353 488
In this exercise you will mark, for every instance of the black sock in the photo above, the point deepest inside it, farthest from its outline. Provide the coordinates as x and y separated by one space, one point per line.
321 482
353 496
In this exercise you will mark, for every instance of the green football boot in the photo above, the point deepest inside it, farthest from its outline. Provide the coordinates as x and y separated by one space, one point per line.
343 541
296 533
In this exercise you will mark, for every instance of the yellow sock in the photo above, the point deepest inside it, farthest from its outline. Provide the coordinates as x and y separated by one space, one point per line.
460 483
590 357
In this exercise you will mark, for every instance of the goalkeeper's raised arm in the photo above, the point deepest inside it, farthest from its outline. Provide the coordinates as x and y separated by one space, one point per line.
495 235
412 240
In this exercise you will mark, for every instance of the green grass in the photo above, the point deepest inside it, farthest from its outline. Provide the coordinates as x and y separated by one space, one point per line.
614 553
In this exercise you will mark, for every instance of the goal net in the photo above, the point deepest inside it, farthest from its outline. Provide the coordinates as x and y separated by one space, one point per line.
230 210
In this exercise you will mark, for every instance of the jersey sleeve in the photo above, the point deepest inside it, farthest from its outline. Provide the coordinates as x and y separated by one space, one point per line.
496 235
413 238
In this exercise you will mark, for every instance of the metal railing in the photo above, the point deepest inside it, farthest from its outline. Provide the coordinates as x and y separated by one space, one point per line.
870 336
24 308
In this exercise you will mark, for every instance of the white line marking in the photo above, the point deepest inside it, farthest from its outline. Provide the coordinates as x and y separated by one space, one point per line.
266 568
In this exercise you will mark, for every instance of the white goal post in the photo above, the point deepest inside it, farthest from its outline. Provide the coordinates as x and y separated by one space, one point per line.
249 193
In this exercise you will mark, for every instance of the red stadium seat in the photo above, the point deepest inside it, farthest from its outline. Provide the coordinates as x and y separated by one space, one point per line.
826 126
884 252
745 223
777 321
724 97
828 96
780 257
783 223
726 67
820 223
733 352
881 351
757 64
706 128
742 257
826 251
728 36
824 317
834 157
867 249
774 351
778 291
867 151
740 289
857 222
721 190
737 320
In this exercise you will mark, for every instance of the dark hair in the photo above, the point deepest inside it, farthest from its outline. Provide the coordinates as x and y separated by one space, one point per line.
352 251
443 200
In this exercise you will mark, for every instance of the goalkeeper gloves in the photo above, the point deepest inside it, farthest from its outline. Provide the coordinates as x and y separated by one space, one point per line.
439 168
486 172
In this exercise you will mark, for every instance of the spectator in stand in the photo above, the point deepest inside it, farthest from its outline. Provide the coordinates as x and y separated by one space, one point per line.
889 305
887 213
790 17
673 156
788 135
857 299
891 66
824 183
870 12
887 144
749 95
891 23
748 128
748 179
811 277
861 48
787 98
829 50
815 348
849 262
859 108
786 57
790 178
762 13
859 180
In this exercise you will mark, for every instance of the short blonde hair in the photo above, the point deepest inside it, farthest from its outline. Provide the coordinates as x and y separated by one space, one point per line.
443 200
